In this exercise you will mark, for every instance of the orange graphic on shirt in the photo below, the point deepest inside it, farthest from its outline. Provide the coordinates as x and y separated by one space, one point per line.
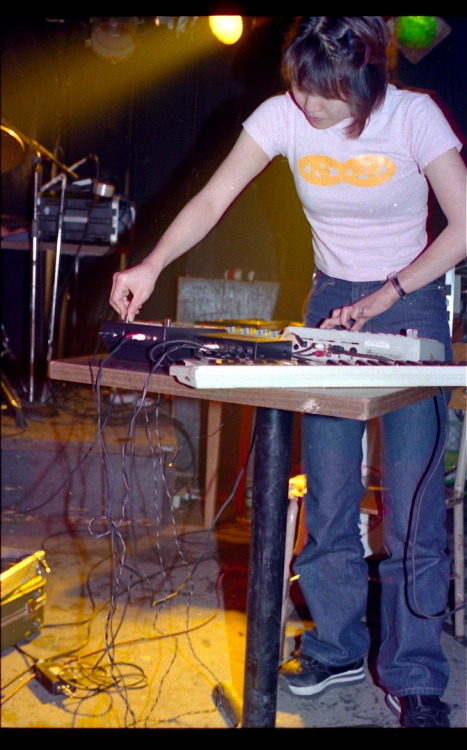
369 170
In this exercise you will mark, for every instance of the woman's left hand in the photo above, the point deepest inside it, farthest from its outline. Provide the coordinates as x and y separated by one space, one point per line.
353 317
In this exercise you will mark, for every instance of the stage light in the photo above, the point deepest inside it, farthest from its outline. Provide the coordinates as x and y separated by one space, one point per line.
416 32
113 39
228 29
416 36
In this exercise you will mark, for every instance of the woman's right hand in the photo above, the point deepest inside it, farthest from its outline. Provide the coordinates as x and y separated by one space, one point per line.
131 288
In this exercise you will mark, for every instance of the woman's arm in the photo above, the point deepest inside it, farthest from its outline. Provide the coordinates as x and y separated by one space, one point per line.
447 176
132 287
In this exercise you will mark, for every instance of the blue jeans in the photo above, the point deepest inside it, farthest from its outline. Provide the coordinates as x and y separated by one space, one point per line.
415 575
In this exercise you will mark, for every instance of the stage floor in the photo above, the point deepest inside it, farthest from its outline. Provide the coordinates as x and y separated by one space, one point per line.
144 610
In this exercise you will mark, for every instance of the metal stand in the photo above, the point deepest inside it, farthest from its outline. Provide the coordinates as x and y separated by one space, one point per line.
34 273
15 146
265 577
8 389
53 303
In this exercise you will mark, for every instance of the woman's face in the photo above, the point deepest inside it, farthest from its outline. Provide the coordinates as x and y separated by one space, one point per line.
321 113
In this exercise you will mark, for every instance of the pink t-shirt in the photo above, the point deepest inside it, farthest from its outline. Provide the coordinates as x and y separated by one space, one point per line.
365 198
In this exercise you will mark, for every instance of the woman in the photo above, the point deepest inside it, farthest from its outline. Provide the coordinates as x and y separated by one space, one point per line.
361 153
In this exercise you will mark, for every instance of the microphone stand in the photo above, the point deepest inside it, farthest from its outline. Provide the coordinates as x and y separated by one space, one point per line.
34 267
53 304
40 153
62 178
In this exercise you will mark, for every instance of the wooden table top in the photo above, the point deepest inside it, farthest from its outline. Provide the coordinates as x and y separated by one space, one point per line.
352 403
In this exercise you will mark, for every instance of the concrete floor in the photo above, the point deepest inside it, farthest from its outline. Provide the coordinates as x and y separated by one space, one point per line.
144 618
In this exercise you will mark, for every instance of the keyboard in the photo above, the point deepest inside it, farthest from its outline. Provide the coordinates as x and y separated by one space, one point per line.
314 343
292 373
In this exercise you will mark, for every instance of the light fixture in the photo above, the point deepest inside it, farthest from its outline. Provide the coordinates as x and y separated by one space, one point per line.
228 29
416 36
416 32
113 39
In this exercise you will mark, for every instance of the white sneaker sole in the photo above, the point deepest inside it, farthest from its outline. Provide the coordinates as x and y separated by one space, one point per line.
356 675
393 703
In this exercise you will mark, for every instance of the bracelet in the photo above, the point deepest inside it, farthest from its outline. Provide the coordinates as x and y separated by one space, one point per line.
397 286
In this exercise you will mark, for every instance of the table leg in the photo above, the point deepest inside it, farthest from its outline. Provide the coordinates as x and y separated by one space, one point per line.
212 461
265 579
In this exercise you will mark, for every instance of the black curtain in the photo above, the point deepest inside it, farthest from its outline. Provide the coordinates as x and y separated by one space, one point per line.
159 123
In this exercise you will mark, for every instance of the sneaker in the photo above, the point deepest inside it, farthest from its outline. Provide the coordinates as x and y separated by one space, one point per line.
306 676
417 711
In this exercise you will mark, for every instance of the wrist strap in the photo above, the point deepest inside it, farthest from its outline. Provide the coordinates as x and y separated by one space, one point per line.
396 284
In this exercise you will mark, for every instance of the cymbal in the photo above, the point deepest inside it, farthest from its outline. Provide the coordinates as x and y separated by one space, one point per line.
13 149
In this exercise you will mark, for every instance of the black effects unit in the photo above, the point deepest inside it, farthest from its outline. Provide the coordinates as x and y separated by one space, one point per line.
87 220
236 346
144 342
148 342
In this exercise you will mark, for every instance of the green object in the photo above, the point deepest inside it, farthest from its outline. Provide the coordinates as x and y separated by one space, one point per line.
416 32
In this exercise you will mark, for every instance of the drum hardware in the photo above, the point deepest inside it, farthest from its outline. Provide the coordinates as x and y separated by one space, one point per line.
10 391
15 146
13 400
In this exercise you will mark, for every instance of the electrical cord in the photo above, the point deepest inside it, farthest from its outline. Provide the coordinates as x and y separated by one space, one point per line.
71 657
66 480
120 550
65 681
438 452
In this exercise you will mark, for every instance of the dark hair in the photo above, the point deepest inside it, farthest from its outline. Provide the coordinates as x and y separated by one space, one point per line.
339 58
